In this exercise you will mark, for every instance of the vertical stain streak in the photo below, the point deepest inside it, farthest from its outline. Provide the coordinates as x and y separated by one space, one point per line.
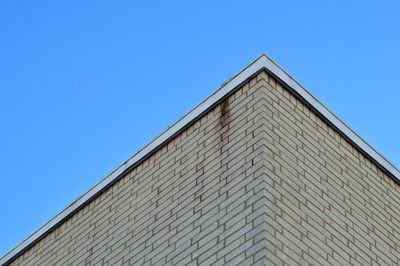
224 121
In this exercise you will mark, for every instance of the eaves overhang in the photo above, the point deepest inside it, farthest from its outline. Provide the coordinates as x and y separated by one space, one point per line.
263 62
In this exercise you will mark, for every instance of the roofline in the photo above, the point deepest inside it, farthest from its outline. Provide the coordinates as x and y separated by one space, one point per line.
263 62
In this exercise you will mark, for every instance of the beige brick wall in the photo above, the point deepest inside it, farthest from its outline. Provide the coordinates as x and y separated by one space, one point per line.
327 203
198 200
260 179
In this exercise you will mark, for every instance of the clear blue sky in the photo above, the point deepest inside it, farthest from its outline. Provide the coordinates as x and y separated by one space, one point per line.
84 84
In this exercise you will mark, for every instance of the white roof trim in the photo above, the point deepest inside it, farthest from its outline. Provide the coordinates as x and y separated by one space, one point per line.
262 62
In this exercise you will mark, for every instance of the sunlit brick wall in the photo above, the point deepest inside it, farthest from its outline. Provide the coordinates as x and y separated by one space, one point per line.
198 200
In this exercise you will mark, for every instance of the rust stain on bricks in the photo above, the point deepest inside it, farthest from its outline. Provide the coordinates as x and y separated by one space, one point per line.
223 134
224 120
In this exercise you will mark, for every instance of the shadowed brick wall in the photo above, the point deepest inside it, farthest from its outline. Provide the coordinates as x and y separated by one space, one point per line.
327 203
259 179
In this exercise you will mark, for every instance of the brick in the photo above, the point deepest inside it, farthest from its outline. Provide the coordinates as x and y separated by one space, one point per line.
259 179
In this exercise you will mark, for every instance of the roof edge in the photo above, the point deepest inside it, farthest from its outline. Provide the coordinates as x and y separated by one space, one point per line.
164 136
260 63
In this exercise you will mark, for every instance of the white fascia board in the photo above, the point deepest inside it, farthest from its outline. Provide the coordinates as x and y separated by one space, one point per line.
262 62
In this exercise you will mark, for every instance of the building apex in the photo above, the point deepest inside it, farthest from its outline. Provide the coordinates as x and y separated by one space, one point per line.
261 63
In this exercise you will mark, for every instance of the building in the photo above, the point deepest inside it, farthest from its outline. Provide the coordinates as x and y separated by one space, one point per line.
259 173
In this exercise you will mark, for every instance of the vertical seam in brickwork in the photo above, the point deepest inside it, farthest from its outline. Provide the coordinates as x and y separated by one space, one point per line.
264 130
